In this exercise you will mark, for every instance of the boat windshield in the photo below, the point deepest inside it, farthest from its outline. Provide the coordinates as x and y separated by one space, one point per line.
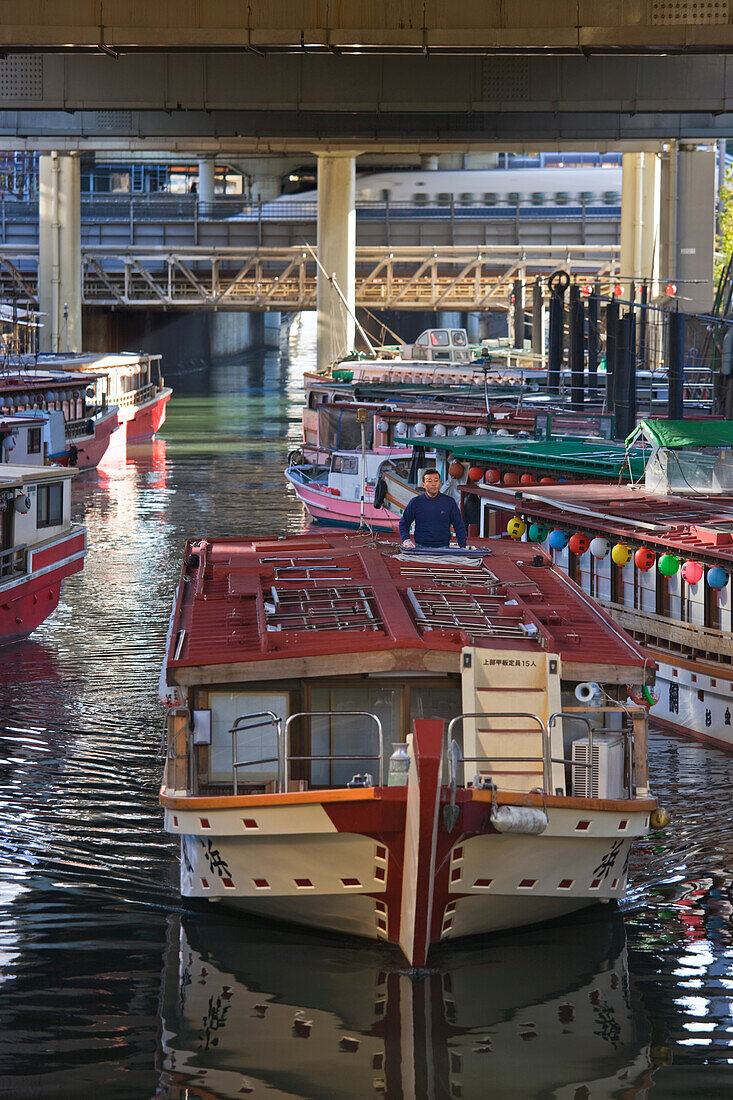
704 470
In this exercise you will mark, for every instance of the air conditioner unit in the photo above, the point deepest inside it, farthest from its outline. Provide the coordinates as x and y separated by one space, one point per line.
606 778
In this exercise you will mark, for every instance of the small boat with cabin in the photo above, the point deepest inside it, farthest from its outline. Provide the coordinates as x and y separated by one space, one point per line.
341 491
39 544
402 746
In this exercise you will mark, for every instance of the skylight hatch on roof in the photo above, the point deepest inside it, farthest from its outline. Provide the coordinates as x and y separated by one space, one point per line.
349 607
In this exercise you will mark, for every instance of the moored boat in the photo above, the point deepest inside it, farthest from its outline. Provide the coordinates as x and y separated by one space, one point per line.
341 491
410 748
657 552
39 545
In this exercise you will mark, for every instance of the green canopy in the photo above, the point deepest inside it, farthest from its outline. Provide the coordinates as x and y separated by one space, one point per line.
676 434
558 456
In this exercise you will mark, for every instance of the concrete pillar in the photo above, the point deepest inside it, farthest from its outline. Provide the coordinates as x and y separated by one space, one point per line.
695 228
337 254
207 176
59 252
640 214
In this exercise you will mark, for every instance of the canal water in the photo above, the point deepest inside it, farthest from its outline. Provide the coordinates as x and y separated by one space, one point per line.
110 986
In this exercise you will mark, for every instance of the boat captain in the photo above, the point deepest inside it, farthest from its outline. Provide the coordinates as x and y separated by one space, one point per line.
433 514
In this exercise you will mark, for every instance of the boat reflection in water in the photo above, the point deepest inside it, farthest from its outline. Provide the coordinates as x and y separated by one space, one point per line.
541 1013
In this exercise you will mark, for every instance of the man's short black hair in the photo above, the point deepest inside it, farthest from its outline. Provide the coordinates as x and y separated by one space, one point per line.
430 471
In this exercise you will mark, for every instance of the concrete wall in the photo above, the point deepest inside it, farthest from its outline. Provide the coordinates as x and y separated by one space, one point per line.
186 340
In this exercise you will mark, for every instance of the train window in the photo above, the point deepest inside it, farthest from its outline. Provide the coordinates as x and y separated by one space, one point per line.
490 198
443 198
459 338
513 196
585 196
467 198
385 195
538 198
419 198
562 198
439 338
611 198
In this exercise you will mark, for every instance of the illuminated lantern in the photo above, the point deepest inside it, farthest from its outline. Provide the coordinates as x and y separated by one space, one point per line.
516 527
382 426
644 559
621 554
493 477
475 473
586 290
559 539
400 428
439 430
692 572
668 565
420 430
511 479
547 481
578 543
599 547
717 578
528 479
618 290
670 290
537 532
456 470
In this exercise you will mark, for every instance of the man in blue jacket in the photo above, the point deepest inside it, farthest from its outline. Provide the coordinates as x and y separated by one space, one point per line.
433 514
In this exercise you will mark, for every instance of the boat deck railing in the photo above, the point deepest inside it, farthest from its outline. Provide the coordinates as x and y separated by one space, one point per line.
13 562
284 758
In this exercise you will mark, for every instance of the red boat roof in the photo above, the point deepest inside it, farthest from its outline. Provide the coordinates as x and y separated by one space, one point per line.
693 525
243 601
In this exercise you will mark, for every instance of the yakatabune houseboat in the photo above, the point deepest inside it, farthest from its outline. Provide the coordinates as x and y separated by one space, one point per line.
39 545
132 381
406 747
658 553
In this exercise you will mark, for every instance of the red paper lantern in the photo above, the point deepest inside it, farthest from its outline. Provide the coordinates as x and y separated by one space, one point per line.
493 477
511 479
644 559
548 481
456 469
475 473
528 479
578 543
692 572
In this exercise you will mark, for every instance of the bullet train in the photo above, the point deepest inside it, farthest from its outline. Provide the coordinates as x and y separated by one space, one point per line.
488 187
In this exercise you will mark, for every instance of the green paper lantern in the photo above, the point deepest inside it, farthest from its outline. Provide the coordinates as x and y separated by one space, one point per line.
537 532
668 565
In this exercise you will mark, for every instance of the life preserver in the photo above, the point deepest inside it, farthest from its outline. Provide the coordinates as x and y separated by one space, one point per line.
380 493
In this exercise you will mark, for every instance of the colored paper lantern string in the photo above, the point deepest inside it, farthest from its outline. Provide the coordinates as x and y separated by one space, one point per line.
717 578
528 479
559 539
621 554
537 532
668 565
456 470
599 547
511 478
548 481
692 572
516 527
475 473
493 477
644 559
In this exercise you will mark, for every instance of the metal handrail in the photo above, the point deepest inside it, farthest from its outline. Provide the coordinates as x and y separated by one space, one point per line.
625 733
271 719
12 558
333 714
545 759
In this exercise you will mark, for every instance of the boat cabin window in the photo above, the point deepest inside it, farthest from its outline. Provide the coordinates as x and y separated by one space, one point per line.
256 744
422 340
459 338
50 505
439 338
34 441
344 464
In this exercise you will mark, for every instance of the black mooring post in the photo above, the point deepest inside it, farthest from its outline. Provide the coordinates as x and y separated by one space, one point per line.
611 344
594 342
518 308
676 364
625 376
577 347
643 317
537 328
558 284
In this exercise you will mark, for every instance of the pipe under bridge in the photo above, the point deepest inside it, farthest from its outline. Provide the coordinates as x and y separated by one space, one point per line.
285 279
